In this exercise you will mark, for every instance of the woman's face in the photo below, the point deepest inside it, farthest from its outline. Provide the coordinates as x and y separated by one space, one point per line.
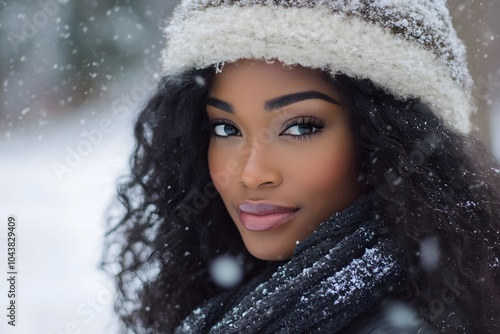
281 153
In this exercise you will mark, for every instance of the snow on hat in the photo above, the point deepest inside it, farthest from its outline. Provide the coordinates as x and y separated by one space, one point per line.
407 47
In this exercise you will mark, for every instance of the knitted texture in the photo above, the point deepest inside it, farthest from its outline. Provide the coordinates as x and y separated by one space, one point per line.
407 47
338 273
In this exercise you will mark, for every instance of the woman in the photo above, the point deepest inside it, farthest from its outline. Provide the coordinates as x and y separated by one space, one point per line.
323 147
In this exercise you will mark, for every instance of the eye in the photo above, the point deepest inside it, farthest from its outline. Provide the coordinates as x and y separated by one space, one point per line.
223 128
304 128
300 129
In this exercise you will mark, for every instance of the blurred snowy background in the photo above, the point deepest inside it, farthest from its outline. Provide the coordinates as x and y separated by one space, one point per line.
73 75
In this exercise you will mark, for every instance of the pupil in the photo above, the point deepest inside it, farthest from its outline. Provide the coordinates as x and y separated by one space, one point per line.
229 130
304 129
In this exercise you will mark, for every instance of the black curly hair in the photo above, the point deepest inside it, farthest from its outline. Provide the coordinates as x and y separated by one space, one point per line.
429 182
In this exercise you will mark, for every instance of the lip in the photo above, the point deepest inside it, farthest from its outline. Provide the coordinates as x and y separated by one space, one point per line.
264 216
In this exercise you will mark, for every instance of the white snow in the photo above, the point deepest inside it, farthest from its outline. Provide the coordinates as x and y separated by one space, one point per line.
226 271
356 275
401 315
60 224
430 253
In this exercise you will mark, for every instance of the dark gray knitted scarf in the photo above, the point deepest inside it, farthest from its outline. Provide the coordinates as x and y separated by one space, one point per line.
338 273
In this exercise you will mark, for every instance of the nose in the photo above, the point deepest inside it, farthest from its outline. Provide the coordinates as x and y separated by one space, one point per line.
258 170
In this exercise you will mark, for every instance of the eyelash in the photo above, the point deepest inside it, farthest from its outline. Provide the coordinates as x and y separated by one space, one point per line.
318 124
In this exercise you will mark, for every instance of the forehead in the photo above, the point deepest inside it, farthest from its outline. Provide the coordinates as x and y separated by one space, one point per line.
256 74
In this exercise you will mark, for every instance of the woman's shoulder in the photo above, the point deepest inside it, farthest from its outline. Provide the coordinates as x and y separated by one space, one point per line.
390 316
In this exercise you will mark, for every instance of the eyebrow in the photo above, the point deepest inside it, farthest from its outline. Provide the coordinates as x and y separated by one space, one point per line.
276 103
219 104
285 100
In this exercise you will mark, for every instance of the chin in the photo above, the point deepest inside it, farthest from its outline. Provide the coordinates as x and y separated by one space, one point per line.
270 255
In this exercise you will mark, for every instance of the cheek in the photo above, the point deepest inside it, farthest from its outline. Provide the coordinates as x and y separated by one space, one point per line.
326 168
216 162
222 166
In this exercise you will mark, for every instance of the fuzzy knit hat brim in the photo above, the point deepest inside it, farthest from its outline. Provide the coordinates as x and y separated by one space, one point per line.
409 48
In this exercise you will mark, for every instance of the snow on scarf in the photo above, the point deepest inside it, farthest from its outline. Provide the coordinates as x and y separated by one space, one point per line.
338 273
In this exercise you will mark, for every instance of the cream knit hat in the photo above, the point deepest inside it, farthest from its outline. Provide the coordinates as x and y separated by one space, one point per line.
408 47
